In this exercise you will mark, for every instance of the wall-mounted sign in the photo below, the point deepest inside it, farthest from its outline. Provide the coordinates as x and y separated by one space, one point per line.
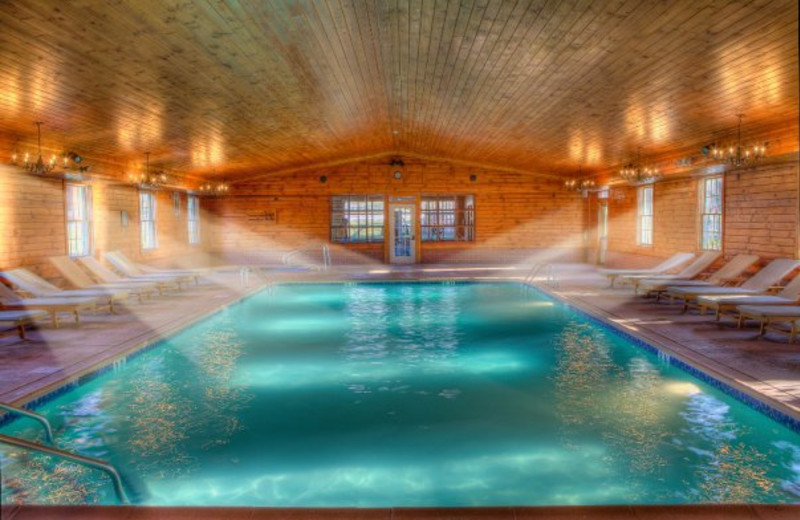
269 216
123 218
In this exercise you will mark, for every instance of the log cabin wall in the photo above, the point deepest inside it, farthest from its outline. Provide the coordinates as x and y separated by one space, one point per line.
517 216
33 223
760 216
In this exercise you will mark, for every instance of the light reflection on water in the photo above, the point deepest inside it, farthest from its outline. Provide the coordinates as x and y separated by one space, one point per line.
417 395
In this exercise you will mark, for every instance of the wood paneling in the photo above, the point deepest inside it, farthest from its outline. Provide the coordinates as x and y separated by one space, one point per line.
760 216
33 223
515 216
249 87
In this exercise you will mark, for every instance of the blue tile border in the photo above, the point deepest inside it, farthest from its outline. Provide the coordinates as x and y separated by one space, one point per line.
743 397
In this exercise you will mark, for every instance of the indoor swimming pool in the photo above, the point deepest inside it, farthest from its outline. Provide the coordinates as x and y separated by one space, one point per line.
404 394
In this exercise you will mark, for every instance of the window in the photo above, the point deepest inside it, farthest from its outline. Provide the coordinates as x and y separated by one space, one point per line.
176 203
193 218
147 219
711 214
357 218
645 220
447 218
79 220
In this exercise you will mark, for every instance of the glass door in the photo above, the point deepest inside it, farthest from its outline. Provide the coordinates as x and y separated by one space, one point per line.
402 239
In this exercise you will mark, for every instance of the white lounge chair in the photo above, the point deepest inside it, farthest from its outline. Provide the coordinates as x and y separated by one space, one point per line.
693 270
726 274
670 264
767 277
9 300
133 271
106 275
770 315
16 320
724 303
70 270
38 287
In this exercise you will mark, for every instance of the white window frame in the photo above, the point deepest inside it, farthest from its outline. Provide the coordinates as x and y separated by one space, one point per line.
78 205
147 220
711 241
644 216
193 218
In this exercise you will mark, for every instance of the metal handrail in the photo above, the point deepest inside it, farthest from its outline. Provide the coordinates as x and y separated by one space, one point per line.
74 457
326 254
48 430
326 257
550 276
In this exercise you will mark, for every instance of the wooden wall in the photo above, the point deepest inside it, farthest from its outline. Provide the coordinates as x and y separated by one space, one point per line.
516 216
33 222
760 216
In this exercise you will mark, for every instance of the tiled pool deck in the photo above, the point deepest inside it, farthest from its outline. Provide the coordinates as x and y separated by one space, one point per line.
767 368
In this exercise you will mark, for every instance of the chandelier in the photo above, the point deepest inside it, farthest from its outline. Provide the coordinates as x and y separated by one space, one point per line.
579 184
737 155
214 189
636 173
146 179
39 167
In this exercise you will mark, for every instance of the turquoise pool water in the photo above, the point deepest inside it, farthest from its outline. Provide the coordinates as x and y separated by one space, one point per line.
421 394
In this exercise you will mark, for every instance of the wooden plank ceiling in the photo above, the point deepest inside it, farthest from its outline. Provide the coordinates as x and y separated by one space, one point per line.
248 87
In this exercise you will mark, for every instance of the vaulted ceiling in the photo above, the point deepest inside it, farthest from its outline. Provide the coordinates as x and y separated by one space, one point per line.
251 87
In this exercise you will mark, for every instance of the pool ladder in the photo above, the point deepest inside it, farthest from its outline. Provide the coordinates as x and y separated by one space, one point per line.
89 462
289 258
546 270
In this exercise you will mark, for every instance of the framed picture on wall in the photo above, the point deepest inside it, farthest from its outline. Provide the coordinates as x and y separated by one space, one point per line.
123 218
